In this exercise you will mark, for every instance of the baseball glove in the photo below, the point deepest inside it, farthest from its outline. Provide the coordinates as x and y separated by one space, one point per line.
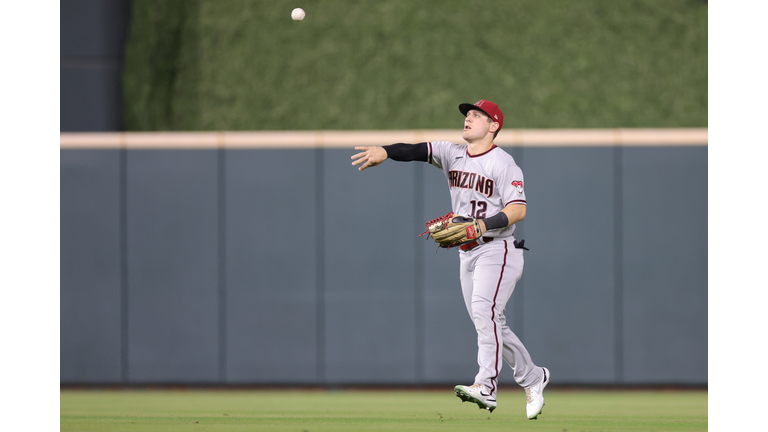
453 230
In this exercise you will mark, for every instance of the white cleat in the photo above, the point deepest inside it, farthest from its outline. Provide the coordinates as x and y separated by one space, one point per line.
535 397
478 394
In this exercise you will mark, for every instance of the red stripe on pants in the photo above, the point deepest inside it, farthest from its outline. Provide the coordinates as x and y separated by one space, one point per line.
493 318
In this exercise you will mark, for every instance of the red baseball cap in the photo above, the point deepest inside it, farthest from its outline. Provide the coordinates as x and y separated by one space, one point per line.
488 107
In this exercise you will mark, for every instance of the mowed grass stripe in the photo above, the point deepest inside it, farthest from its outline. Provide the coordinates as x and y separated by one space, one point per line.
315 410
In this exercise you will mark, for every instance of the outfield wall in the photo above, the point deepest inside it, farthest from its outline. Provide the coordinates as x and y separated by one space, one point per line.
92 42
266 258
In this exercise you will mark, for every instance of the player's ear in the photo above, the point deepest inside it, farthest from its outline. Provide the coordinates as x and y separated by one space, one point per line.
494 127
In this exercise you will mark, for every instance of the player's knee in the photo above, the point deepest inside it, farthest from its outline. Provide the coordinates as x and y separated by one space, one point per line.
481 316
484 313
481 323
481 306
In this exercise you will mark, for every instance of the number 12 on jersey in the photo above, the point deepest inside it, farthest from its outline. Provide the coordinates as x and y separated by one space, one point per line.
478 209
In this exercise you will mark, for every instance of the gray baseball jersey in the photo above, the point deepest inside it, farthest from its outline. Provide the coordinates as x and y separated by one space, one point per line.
481 185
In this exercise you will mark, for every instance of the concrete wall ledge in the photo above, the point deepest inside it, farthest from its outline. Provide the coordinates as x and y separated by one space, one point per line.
348 139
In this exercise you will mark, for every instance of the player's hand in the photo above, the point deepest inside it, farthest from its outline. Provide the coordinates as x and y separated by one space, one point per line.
370 156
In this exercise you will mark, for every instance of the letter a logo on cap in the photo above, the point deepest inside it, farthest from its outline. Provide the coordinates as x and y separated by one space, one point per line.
488 107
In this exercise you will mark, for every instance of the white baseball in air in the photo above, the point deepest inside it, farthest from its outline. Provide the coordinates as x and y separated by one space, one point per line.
298 14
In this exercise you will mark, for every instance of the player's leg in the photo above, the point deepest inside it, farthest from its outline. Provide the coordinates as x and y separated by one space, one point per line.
529 376
526 373
477 393
493 280
465 275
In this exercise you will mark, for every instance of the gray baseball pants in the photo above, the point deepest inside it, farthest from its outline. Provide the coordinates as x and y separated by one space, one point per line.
488 276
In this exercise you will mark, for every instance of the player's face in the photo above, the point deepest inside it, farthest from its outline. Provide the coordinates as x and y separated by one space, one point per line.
476 125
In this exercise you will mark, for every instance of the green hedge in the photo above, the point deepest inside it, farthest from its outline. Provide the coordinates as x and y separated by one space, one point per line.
405 64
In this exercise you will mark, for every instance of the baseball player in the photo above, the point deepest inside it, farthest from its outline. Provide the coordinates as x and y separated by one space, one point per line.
487 199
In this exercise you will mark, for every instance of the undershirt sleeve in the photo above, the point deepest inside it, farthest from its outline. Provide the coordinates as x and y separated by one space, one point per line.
402 152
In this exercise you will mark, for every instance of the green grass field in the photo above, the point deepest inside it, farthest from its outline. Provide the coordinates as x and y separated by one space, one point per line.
353 410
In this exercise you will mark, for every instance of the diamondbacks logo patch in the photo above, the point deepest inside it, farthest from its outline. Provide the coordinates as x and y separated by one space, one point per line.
519 185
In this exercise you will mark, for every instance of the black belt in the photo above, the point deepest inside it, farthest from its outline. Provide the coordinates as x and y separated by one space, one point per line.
471 245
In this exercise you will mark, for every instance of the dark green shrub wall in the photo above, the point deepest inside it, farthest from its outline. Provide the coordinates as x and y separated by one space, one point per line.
403 64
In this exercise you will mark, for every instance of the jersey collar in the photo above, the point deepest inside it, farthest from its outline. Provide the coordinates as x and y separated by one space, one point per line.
480 154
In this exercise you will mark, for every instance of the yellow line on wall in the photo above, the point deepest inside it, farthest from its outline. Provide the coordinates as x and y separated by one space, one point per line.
349 139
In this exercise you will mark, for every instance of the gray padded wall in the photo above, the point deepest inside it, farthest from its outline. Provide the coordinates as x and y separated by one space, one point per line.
665 264
90 293
369 272
173 259
271 317
614 289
